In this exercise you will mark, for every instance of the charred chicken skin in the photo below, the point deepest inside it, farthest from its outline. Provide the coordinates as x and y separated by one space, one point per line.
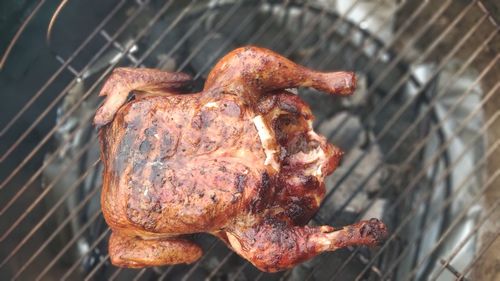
240 160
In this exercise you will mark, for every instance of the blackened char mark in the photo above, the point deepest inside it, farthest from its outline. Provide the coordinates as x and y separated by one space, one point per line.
265 194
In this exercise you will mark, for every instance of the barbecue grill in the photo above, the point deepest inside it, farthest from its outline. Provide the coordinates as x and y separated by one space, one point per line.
420 134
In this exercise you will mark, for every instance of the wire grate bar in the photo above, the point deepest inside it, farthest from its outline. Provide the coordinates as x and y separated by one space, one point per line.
198 263
479 254
40 223
460 186
96 268
60 227
421 144
165 273
91 248
119 47
54 102
240 270
446 203
378 137
18 34
407 131
75 238
465 240
488 213
49 160
61 68
219 266
69 67
139 274
457 220
40 197
451 268
481 6
116 273
407 189
209 36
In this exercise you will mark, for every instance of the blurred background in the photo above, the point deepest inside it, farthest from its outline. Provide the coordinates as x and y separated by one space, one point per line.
421 133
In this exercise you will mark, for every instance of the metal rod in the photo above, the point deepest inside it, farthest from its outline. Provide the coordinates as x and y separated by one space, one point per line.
75 237
240 270
197 264
89 250
209 36
50 185
424 141
489 212
485 11
17 35
357 161
407 189
165 273
42 195
404 134
60 227
40 223
59 71
458 189
95 84
448 200
96 268
451 268
464 241
55 101
458 218
116 273
139 274
478 255
219 266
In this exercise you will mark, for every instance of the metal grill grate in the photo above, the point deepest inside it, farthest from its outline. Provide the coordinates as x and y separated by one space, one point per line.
420 134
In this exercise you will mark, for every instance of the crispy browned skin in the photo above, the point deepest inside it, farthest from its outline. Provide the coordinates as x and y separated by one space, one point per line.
239 160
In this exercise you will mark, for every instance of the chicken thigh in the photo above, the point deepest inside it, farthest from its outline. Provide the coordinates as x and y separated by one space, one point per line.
239 160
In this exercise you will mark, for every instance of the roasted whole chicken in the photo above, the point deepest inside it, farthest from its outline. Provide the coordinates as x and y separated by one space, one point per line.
239 160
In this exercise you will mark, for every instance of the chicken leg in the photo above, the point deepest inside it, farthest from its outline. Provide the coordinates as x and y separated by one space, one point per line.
250 71
274 246
134 252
